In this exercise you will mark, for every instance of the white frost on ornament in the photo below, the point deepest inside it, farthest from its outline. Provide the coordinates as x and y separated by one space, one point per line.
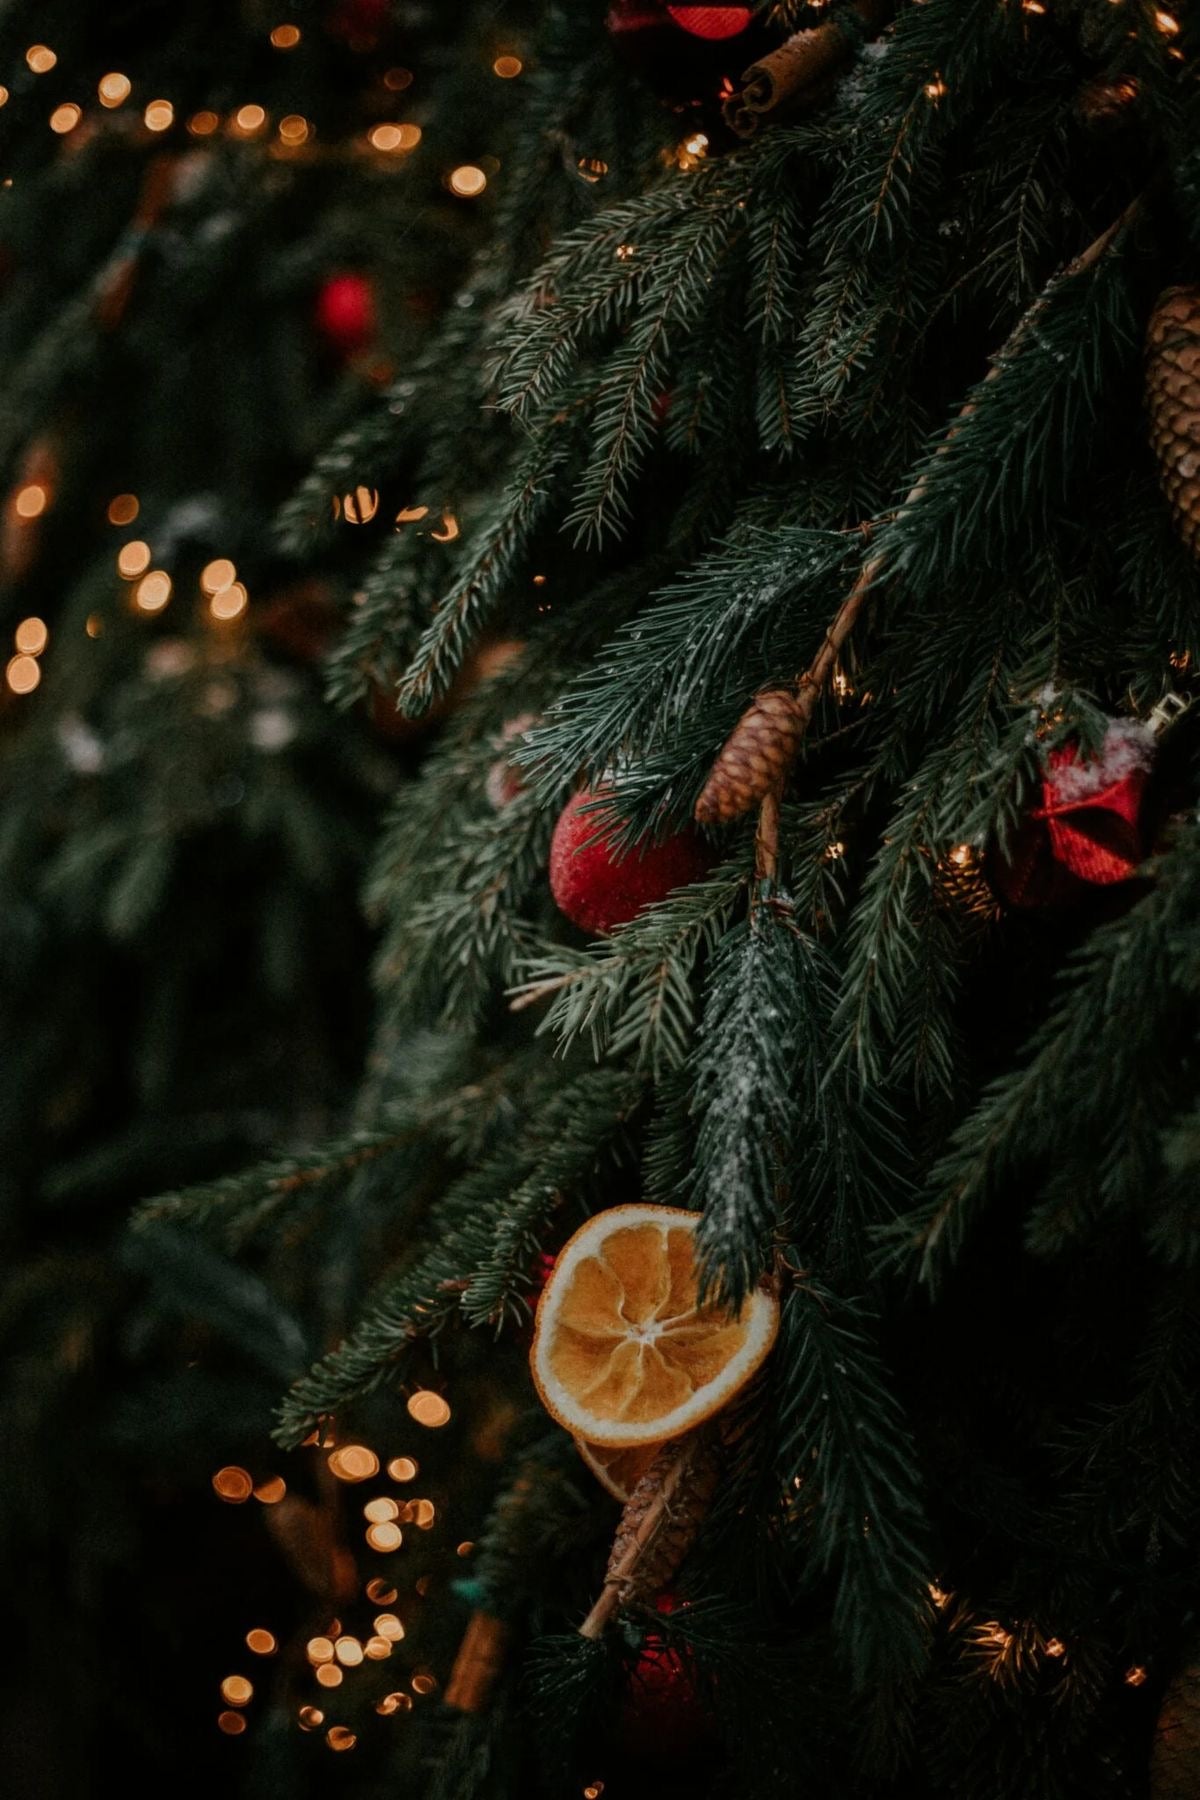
1128 746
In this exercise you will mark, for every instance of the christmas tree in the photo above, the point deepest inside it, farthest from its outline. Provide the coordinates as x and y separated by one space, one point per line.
747 1275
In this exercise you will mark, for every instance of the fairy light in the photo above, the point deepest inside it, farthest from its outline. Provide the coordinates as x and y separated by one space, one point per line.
340 1737
1032 6
360 506
835 851
939 1596
233 1484
593 1790
466 1548
94 625
231 1723
31 501
467 181
1136 1676
935 89
841 685
230 603
507 67
31 638
421 1585
40 58
1055 1647
692 151
133 559
329 1675
386 137
113 89
388 1626
428 1409
354 1462
381 1592
410 515
123 509
159 115
152 591
319 1650
311 1718
271 1491
65 118
3 96
217 574
385 1538
424 1512
377 1648
250 119
381 1511
294 129
261 1642
1167 23
237 1691
349 1652
397 79
403 1468
423 1684
22 674
203 124
285 37
625 251
592 168
962 856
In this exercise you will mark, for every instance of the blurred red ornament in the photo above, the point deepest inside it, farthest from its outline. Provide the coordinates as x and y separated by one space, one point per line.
1087 832
688 54
542 1270
599 886
346 313
663 1716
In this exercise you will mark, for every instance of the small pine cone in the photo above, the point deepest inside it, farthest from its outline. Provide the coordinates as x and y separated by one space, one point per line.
1173 403
754 758
1175 1757
658 1526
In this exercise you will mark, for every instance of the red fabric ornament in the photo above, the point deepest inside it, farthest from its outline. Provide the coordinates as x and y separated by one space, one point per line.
346 313
663 1717
1087 830
599 886
690 55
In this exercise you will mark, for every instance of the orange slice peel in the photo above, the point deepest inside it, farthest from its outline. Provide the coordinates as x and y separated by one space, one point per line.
617 1471
624 1354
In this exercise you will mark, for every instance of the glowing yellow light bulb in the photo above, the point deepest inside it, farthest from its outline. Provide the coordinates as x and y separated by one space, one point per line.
22 674
31 637
114 89
428 1409
467 181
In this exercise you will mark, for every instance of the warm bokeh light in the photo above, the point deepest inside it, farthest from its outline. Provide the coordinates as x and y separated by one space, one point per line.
319 1650
387 1625
231 1723
507 67
217 575
396 80
94 625
329 1675
230 603
310 1717
403 1468
237 1691
340 1737
449 530
294 129
31 501
285 37
133 559
233 1484
394 1703
261 1642
385 1538
159 115
3 96
203 124
389 137
466 1548
423 1513
467 181
381 1592
349 1652
377 1648
423 1684
360 506
66 117
41 58
250 118
114 89
123 509
152 591
31 637
428 1408
22 674
271 1491
354 1462
377 1511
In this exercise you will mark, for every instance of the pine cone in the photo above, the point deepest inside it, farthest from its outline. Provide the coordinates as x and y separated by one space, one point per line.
658 1526
1173 402
755 757
1175 1758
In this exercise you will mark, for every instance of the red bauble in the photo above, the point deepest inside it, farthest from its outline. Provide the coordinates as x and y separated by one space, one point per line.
599 886
346 313
663 1717
690 55
1087 831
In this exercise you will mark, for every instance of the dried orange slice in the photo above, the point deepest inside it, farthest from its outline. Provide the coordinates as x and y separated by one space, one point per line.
619 1471
623 1353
